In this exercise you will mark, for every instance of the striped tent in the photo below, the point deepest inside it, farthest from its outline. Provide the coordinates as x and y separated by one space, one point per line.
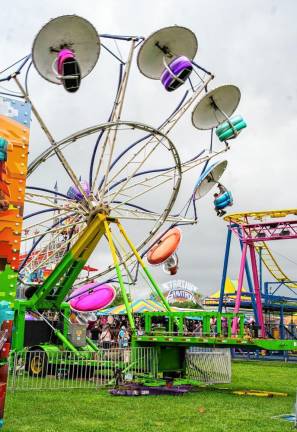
230 293
137 306
291 319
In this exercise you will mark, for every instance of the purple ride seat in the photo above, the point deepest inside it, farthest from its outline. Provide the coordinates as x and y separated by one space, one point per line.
180 67
74 193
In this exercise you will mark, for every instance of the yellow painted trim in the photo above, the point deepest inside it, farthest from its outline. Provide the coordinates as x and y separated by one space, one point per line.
267 258
259 215
133 248
110 242
91 235
272 265
259 393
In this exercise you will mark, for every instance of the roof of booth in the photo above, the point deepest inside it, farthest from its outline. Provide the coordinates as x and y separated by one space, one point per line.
139 306
230 292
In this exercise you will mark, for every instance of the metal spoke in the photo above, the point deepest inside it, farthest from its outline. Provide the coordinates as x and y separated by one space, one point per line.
47 197
171 122
117 113
63 248
52 141
130 161
40 223
70 205
139 194
172 219
46 249
44 204
184 169
135 171
115 117
144 183
54 230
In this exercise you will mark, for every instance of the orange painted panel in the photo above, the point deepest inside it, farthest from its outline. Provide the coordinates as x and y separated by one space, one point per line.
14 121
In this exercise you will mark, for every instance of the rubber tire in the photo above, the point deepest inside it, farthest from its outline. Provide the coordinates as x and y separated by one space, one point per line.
41 355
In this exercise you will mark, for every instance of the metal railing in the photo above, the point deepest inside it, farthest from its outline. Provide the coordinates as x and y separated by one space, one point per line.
62 370
209 365
38 370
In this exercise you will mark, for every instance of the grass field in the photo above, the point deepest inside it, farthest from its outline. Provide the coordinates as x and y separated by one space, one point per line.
205 410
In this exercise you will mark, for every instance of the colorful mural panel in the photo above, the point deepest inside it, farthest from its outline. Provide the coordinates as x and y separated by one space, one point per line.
14 141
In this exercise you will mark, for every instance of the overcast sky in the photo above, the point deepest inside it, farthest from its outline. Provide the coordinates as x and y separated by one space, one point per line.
251 44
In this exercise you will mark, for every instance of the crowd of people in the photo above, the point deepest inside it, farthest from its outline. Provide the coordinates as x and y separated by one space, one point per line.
112 331
196 329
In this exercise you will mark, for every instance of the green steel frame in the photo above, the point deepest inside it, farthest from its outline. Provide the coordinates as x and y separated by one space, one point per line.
174 333
51 295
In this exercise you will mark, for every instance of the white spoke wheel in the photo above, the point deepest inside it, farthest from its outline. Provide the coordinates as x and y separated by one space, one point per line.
138 184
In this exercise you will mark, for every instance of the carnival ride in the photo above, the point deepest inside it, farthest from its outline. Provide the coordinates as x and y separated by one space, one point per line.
122 172
131 167
254 230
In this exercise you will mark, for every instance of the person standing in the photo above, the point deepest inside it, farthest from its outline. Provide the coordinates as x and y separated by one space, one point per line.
197 331
123 338
213 326
94 329
225 326
105 337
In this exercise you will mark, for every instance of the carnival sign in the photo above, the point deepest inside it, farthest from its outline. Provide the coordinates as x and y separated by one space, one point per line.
180 291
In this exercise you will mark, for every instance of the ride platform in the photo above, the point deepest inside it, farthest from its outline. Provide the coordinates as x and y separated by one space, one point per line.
217 342
216 331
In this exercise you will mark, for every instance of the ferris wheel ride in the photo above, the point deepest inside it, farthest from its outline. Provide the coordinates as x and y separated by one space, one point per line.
119 185
130 179
134 171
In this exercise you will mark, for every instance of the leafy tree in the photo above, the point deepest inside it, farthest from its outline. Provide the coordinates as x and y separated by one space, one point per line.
119 298
186 305
197 304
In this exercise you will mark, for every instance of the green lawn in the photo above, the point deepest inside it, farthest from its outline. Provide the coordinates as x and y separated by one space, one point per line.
206 410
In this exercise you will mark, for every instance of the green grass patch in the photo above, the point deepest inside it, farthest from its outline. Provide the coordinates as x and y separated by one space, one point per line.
206 410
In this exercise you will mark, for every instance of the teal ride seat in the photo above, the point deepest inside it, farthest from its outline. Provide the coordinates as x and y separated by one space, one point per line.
224 131
223 201
3 149
6 313
223 127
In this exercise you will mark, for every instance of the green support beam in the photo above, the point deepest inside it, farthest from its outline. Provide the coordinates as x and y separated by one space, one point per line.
52 293
220 342
60 281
